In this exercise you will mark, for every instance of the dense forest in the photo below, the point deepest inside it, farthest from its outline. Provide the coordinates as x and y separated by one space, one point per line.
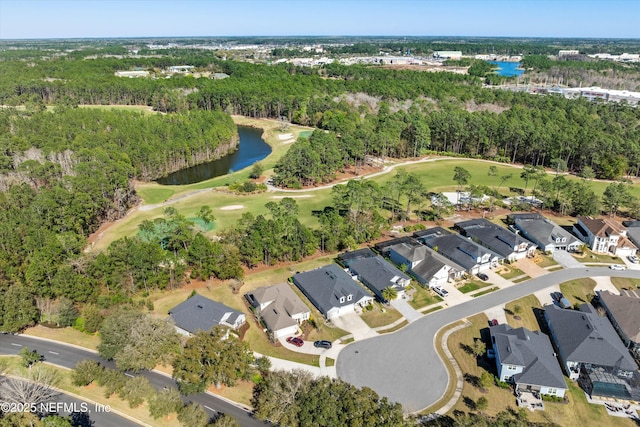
67 170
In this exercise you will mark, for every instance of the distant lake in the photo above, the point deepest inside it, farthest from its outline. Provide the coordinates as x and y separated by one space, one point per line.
251 149
507 69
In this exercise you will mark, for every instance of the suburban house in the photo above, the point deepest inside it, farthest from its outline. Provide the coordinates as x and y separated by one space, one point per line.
470 256
500 240
384 247
527 360
279 308
377 274
198 313
547 235
346 258
427 266
633 231
624 313
332 291
604 236
592 353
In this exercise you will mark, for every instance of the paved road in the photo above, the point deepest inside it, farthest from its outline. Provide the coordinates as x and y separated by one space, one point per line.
404 365
68 356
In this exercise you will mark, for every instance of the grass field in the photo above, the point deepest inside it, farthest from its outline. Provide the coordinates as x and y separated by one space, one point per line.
422 297
66 335
380 315
484 292
509 272
590 257
472 285
579 290
526 314
625 282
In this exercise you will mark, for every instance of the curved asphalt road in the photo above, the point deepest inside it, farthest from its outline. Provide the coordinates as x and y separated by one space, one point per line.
68 356
404 365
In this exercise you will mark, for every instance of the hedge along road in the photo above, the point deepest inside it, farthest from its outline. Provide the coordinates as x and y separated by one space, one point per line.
405 367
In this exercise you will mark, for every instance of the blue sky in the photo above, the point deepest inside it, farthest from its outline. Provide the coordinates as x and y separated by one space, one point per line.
146 18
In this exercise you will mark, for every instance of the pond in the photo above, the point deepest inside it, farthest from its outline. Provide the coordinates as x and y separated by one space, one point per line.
251 149
508 69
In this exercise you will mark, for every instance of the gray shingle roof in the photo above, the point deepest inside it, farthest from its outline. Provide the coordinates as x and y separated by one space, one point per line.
494 237
200 313
543 231
348 257
326 285
283 303
430 261
533 351
460 250
626 312
377 274
583 336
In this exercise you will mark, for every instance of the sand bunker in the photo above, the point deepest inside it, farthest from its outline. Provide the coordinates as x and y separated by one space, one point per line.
285 136
302 196
232 207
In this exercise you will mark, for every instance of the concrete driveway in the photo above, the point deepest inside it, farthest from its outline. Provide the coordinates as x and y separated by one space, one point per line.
566 260
353 323
604 284
409 313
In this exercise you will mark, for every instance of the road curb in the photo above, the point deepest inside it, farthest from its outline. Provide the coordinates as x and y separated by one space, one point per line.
58 342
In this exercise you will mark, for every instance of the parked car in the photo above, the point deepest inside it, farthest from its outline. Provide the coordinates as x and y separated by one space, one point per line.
562 301
491 354
295 341
494 322
322 344
617 267
634 259
482 276
440 291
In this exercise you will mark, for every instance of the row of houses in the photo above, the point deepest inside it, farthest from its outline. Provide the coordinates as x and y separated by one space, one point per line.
582 344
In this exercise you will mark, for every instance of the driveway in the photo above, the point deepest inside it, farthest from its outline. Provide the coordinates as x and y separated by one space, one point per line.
604 284
566 260
405 367
353 323
409 313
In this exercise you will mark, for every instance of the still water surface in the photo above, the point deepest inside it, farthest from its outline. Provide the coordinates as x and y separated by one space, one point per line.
251 149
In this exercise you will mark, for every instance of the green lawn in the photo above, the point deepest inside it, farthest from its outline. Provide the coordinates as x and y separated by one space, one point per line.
590 257
544 260
380 315
422 297
472 285
625 282
509 271
486 291
579 290
524 316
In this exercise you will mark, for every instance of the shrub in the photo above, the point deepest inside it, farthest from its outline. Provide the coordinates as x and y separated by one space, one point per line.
85 372
550 398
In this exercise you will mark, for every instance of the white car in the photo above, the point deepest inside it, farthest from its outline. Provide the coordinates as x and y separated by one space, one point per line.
634 259
440 291
617 267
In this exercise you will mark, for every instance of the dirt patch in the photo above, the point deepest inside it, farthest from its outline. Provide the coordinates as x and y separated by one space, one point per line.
232 207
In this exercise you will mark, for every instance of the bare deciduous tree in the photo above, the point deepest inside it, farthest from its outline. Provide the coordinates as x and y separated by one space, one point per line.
35 387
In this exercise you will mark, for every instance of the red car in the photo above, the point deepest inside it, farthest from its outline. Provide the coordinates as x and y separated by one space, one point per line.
295 341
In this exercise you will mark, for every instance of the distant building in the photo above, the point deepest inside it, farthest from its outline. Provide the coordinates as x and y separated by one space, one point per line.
448 54
596 93
181 68
198 313
132 74
566 53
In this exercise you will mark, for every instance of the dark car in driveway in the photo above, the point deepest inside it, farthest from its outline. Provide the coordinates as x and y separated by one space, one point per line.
322 344
482 276
295 341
